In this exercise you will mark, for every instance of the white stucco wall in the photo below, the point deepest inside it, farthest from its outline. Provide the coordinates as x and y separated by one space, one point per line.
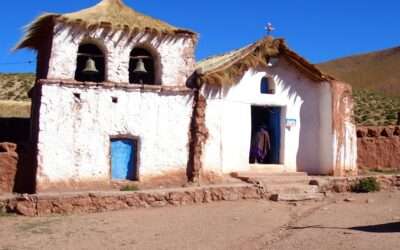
228 118
74 135
176 55
326 131
345 139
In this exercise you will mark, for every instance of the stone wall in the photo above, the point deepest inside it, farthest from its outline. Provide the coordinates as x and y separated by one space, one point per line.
39 205
379 147
8 166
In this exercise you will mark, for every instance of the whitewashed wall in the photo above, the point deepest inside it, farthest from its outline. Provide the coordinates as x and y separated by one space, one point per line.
74 136
176 54
228 118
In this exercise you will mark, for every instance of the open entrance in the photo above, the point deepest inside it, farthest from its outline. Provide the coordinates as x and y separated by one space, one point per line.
124 159
265 135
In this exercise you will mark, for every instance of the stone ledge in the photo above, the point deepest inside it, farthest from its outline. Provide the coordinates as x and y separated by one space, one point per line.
91 202
111 85
344 184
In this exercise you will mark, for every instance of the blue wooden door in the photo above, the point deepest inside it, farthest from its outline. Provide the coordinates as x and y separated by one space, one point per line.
123 162
275 134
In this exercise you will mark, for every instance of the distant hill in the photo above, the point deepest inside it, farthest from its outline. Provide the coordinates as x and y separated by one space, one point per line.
377 71
375 78
14 100
15 87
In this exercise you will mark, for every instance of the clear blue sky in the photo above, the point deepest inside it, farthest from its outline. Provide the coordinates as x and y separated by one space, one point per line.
319 30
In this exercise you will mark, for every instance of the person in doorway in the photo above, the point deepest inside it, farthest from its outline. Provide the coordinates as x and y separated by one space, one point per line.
261 145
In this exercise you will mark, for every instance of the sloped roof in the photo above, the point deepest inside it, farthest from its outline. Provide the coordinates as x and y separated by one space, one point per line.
225 69
108 13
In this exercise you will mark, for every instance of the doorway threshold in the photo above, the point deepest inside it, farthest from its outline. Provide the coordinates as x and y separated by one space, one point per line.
273 168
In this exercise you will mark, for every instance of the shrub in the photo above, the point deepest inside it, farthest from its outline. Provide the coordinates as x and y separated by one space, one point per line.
129 188
366 185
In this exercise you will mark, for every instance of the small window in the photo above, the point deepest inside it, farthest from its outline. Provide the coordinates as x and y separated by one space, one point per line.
267 86
141 67
90 64
77 96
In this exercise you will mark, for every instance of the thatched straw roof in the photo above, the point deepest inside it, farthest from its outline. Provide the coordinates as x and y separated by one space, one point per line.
108 13
227 68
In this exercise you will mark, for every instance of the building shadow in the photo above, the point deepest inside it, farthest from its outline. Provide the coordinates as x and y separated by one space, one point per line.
393 227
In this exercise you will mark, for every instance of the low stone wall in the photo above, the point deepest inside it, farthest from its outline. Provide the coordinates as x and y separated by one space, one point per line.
378 147
73 203
344 184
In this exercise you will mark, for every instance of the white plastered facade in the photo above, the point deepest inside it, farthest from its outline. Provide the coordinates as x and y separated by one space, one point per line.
74 135
308 146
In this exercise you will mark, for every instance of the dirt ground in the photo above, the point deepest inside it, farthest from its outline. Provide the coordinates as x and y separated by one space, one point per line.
367 221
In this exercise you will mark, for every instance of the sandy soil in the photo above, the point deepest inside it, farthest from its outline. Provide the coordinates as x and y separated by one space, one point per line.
366 222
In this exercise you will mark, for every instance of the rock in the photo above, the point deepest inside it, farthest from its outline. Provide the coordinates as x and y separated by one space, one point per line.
349 200
26 208
274 197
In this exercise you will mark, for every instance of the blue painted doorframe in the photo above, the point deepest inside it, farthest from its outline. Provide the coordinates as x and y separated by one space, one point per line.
123 159
274 123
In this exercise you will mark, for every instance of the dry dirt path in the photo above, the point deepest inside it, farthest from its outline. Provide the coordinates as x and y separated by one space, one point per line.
224 225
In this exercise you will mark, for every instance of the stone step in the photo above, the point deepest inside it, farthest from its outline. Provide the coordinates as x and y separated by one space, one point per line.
260 173
291 188
290 197
271 180
294 192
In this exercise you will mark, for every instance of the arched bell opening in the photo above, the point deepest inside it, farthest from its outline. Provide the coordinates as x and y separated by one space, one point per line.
90 65
267 85
142 68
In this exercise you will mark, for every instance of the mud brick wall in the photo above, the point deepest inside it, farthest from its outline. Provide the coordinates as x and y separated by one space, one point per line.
8 166
378 147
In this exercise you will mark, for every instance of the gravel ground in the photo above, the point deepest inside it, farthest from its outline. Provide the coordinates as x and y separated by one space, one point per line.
363 222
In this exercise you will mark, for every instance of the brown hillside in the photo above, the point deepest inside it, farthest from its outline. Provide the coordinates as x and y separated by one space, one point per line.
377 71
15 87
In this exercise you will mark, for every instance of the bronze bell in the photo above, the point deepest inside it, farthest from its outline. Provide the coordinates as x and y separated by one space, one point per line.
140 68
90 68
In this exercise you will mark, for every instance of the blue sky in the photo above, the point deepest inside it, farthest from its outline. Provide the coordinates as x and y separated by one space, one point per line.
319 30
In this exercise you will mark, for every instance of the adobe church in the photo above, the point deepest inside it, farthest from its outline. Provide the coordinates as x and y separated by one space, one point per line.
119 97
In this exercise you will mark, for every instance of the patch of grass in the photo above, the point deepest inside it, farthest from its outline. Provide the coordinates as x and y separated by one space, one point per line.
366 185
128 188
5 214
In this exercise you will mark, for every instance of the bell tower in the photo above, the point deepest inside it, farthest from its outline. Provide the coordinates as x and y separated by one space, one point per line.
95 45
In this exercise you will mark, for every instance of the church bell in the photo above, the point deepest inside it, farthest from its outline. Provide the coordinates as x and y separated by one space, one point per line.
90 67
140 68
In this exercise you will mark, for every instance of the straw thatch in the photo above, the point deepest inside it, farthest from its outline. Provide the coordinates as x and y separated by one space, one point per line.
113 14
227 68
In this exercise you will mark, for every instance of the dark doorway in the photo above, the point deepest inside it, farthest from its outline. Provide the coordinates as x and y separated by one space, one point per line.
265 135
